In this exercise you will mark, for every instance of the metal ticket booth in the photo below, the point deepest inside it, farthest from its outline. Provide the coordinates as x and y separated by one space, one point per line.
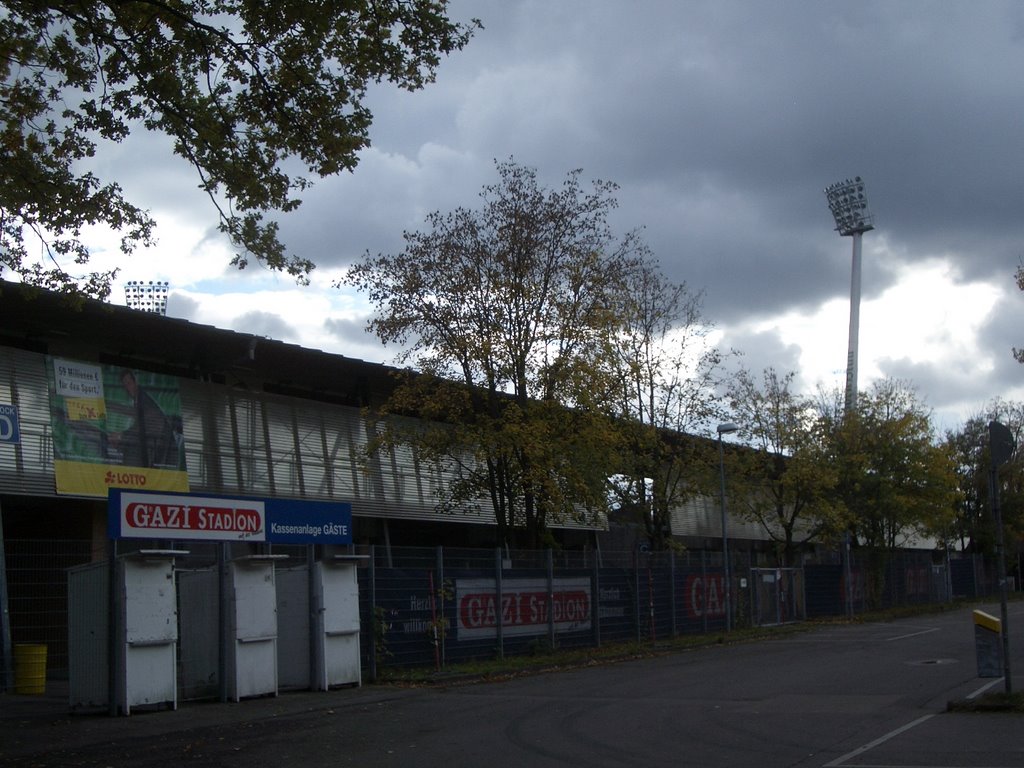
142 652
336 652
244 661
251 652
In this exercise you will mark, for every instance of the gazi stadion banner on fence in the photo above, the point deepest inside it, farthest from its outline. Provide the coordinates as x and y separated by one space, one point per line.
114 427
142 515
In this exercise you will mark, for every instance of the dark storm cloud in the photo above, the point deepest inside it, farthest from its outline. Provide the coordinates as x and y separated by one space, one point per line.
722 122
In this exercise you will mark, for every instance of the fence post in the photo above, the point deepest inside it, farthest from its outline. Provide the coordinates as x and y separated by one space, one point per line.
550 556
595 602
636 595
442 628
374 621
704 587
672 591
498 623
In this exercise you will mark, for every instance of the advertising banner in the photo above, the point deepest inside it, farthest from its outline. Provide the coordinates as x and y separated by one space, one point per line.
524 606
10 429
114 427
141 515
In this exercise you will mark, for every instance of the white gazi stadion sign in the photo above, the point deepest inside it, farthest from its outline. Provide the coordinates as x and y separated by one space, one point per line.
169 516
525 606
150 515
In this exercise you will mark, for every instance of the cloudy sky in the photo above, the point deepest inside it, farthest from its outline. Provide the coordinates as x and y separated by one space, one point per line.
722 122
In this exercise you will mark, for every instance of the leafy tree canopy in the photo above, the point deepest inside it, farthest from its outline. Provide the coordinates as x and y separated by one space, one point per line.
786 485
508 310
974 525
250 92
895 477
665 372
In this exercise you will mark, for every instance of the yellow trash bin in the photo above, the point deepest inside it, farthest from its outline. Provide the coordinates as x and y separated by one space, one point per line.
29 668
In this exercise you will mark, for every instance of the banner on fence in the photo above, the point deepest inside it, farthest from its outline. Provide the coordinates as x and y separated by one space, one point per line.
524 606
705 595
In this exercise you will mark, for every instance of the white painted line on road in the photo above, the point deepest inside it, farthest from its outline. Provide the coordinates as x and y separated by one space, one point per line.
912 634
984 688
861 750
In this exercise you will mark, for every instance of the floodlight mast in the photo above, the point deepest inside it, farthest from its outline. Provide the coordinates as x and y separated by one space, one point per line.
849 206
147 297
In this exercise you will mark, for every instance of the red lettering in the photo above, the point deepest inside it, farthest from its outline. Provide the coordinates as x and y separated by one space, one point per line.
698 604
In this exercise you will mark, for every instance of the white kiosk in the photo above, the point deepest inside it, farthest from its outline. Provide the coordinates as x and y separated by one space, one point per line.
145 641
147 649
336 651
251 662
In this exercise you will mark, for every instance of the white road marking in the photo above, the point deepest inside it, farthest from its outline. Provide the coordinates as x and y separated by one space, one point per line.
861 750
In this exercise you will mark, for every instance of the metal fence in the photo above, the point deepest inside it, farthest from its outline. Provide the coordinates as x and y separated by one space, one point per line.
441 606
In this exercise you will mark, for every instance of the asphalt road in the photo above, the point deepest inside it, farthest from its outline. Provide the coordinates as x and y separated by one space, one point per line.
843 696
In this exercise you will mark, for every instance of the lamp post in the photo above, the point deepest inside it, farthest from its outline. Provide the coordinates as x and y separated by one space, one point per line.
723 429
1001 447
849 206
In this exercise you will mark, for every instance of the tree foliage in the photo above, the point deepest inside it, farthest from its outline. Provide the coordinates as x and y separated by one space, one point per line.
1019 276
973 526
665 373
250 92
895 478
786 484
505 311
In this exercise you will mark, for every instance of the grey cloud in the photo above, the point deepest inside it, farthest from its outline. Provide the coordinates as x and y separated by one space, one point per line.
722 121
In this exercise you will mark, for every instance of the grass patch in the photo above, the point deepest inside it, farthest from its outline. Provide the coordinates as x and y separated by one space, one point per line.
990 702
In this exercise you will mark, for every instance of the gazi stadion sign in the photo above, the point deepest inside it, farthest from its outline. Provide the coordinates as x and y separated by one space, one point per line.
143 515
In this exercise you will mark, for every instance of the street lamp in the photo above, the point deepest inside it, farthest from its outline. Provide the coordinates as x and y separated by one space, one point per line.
849 206
724 429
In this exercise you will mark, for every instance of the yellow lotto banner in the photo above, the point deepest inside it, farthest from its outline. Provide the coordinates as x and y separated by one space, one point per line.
96 479
115 427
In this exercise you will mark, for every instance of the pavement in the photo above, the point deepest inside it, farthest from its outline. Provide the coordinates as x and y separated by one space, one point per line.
708 706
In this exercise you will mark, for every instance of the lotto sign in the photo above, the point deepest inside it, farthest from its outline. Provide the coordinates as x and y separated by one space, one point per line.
10 431
524 606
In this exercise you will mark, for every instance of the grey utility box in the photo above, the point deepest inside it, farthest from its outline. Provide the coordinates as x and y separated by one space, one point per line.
146 632
336 650
251 655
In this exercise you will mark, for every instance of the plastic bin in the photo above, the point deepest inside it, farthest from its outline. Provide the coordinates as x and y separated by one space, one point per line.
29 669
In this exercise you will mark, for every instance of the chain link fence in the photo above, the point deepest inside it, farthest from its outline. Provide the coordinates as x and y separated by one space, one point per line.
434 607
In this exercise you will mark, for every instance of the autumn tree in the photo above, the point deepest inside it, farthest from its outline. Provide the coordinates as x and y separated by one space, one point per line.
895 478
786 483
665 373
256 96
504 312
973 526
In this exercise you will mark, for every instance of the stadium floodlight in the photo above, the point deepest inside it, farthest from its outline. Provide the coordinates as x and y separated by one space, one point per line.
147 296
849 205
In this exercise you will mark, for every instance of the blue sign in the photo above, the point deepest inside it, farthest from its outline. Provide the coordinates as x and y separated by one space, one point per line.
205 517
10 431
308 522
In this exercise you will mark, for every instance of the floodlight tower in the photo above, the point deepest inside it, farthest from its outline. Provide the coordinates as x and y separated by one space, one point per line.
148 297
849 208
